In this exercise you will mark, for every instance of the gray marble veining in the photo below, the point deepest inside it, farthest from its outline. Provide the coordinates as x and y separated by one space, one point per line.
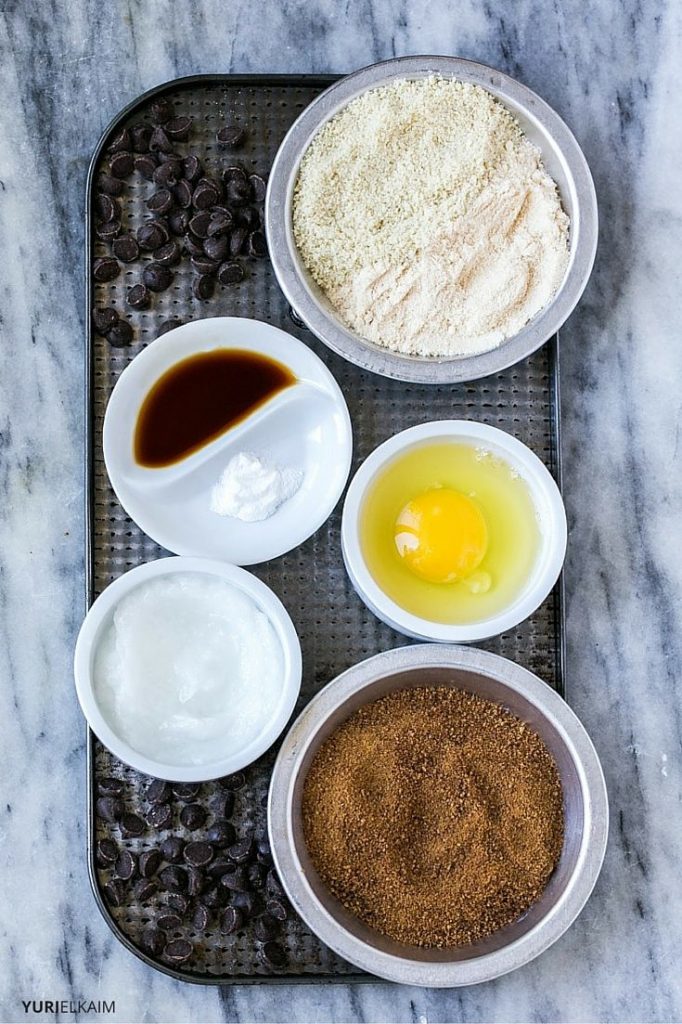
611 69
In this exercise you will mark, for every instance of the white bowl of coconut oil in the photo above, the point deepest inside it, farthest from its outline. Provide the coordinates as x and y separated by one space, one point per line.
187 669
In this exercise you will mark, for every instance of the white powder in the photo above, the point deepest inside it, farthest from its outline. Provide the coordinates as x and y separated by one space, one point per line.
189 670
252 489
427 218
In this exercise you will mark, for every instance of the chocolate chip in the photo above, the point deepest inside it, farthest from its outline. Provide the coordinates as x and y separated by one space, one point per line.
171 849
168 923
196 881
108 786
186 791
232 135
230 272
216 248
224 805
140 134
192 816
203 287
167 174
193 246
221 834
218 867
122 164
277 909
169 325
169 254
192 168
161 109
246 901
109 185
157 277
258 188
241 852
247 217
132 825
220 223
152 941
237 186
231 920
237 241
257 245
125 248
235 880
160 815
114 892
120 141
159 141
109 808
214 897
139 297
263 852
158 791
178 128
235 172
200 223
198 854
120 335
178 221
151 236
144 889
107 208
125 866
183 193
106 852
107 231
201 918
273 885
203 265
161 201
149 863
179 950
273 955
146 166
178 902
265 928
174 878
105 269
256 875
205 195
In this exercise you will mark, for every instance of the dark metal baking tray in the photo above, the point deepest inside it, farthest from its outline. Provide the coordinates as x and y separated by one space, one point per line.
335 627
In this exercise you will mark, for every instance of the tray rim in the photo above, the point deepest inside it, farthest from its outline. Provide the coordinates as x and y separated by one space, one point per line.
552 346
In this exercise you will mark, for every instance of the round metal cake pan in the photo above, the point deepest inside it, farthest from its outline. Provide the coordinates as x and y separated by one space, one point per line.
563 159
585 813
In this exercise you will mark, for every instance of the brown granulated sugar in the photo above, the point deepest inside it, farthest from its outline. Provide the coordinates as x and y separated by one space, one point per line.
435 816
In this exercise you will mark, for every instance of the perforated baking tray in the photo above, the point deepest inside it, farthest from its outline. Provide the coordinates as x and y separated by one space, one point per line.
336 629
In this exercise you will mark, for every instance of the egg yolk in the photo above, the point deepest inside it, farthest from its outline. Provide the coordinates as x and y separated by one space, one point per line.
441 535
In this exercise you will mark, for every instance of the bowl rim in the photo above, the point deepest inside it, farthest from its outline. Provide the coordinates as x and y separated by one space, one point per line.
90 635
301 292
553 529
548 929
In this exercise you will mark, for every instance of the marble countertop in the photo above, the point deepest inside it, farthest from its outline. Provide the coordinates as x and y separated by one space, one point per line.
612 70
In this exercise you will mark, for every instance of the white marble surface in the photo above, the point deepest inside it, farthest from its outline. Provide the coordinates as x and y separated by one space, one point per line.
612 69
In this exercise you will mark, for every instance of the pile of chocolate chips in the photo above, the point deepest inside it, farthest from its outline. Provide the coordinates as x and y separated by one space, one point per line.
212 221
214 878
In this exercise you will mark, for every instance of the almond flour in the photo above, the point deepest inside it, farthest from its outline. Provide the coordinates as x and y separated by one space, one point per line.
427 218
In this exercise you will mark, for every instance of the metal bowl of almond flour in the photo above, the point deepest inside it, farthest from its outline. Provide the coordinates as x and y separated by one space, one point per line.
562 158
584 803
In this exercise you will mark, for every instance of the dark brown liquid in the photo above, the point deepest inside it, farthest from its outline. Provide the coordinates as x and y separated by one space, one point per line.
200 398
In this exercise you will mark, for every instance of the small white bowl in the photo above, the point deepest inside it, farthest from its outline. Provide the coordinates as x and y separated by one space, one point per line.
549 508
305 427
98 619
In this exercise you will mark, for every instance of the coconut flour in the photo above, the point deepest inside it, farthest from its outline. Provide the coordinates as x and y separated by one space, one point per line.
427 218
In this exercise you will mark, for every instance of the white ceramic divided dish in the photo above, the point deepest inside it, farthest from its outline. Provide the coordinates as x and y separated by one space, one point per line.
305 427
98 619
549 509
